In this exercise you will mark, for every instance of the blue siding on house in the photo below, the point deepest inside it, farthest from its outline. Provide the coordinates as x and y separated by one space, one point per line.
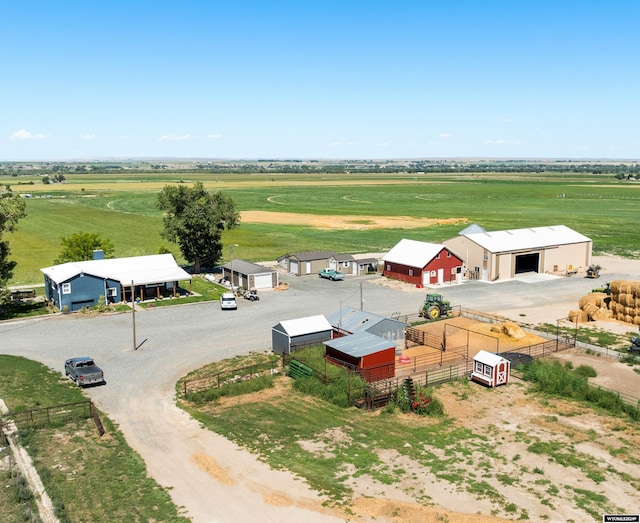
84 290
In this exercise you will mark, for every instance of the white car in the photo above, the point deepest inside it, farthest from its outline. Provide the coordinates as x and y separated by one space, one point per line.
228 301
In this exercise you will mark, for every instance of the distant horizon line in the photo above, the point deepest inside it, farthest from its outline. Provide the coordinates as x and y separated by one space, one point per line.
313 159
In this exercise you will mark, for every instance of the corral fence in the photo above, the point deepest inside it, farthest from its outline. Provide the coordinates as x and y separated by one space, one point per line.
47 417
228 376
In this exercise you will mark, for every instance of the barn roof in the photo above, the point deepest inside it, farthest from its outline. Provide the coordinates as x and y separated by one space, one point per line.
361 344
307 325
532 238
413 253
142 270
245 267
488 358
354 320
342 257
311 256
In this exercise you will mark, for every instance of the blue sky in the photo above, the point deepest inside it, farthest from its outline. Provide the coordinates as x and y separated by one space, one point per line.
296 79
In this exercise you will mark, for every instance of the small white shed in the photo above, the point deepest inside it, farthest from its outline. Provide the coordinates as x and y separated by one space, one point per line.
490 369
290 335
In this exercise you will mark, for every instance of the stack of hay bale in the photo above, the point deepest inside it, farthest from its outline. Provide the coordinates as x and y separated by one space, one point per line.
625 301
623 304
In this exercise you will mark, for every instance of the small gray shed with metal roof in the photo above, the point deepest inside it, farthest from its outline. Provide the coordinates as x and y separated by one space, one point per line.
250 275
348 320
289 335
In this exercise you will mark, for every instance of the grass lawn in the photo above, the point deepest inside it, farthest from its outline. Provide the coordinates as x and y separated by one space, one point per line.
74 462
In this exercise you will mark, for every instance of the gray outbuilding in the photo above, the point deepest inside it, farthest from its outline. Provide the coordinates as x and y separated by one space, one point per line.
290 335
348 320
250 275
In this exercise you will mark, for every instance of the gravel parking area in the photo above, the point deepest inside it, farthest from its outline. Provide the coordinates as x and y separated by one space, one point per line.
180 455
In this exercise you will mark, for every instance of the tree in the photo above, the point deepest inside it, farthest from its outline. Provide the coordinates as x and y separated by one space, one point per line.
80 246
12 208
194 219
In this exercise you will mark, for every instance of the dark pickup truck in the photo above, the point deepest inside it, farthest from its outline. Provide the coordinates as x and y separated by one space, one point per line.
83 371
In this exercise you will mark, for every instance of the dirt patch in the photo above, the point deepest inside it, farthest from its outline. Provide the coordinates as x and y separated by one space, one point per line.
345 222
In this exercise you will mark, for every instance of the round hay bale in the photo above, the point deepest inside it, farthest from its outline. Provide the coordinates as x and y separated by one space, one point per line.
595 298
496 327
625 299
512 330
634 288
617 308
636 320
615 286
578 316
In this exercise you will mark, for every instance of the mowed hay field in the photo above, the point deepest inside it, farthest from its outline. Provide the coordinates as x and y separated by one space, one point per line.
346 213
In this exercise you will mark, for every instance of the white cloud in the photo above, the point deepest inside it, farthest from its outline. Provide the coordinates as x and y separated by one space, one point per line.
90 136
22 134
214 136
446 136
384 144
125 137
341 144
172 137
502 142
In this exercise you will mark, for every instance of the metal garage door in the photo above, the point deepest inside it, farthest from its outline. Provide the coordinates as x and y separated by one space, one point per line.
262 281
293 267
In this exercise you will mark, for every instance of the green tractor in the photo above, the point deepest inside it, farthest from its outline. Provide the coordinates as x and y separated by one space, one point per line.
435 307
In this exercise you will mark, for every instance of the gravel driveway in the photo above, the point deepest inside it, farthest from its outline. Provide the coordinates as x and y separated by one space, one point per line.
207 475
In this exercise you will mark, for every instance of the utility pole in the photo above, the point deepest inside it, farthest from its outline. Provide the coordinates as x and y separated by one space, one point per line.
231 249
133 314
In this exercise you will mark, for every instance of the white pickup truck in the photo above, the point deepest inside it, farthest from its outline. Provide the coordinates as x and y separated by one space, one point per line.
83 371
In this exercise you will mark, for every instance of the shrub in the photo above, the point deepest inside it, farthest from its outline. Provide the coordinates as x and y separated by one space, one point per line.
586 371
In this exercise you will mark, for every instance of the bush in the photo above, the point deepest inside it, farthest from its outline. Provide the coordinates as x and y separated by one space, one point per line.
586 371
231 389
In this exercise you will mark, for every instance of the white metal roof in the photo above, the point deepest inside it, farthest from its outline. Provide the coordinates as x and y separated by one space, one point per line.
141 270
488 358
413 253
307 325
532 238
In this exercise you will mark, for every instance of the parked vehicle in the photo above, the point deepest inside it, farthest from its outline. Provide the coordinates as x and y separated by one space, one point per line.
228 301
634 348
331 274
251 295
435 307
83 371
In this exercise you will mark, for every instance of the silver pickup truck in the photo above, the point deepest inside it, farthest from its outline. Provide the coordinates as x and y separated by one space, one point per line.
83 371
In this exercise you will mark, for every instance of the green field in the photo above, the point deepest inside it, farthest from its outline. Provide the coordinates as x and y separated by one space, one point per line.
73 461
121 207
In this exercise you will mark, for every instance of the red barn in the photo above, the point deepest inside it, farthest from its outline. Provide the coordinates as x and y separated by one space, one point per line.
422 263
373 357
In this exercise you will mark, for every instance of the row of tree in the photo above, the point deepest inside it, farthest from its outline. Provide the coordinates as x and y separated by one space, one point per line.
194 218
335 167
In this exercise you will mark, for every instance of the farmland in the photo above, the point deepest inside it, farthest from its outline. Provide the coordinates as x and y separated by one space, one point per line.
121 206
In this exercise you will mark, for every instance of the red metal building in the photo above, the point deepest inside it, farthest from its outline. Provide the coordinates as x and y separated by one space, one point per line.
373 357
422 263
